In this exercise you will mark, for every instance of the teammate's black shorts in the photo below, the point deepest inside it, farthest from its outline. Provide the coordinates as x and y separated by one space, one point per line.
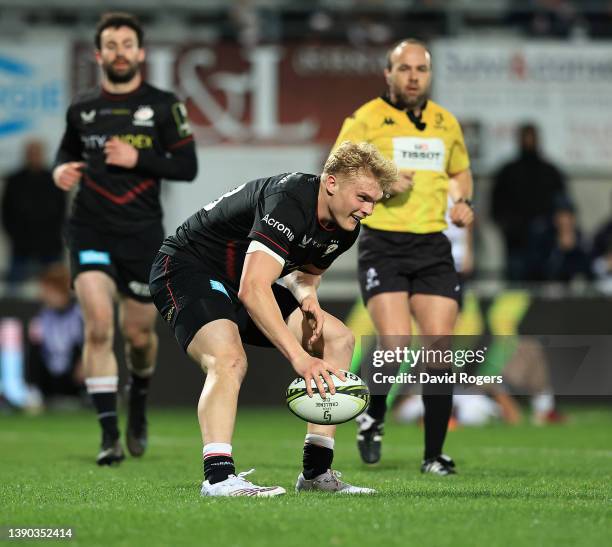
406 262
125 258
189 296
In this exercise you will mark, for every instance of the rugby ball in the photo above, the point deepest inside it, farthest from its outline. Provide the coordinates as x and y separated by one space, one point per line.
351 399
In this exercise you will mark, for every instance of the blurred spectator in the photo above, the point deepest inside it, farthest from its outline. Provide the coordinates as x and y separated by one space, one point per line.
365 30
14 393
524 191
548 18
55 340
245 19
601 255
557 249
33 211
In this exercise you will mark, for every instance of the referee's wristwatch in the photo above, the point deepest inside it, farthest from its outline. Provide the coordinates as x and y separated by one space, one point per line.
467 201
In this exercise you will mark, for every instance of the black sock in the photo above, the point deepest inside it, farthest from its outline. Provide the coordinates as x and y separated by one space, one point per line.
317 460
106 407
438 409
139 389
218 468
378 407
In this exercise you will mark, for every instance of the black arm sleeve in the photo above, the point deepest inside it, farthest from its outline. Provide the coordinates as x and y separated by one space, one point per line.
70 148
179 162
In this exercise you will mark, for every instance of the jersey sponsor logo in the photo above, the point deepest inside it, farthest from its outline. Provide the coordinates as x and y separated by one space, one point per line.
115 112
88 117
91 256
179 114
141 289
388 121
93 142
417 153
144 116
270 221
138 140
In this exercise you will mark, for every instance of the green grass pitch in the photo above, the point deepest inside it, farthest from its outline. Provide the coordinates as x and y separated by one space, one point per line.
517 485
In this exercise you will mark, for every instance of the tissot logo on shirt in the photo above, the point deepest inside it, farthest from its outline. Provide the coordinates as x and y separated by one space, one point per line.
419 153
270 221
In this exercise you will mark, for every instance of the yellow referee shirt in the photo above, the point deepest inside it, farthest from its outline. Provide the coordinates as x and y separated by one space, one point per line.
433 153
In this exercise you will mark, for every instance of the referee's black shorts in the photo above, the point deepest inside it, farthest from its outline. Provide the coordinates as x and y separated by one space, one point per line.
406 262
188 296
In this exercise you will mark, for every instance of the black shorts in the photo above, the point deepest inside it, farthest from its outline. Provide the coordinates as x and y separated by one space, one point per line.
126 258
188 296
406 262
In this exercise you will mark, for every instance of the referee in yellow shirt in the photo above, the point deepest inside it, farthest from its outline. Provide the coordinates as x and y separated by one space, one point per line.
405 262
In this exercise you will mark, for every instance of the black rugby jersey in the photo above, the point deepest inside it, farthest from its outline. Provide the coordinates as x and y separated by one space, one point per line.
153 121
279 212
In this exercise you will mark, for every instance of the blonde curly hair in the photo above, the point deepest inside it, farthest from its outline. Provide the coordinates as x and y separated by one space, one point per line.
353 159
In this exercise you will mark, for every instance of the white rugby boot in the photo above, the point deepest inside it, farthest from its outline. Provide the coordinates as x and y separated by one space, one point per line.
237 485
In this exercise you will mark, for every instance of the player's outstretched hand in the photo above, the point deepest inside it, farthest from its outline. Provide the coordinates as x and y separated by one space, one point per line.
311 368
120 153
461 214
67 175
314 316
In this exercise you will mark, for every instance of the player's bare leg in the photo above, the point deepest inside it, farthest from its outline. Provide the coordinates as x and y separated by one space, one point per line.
96 292
137 322
390 313
335 346
217 348
436 316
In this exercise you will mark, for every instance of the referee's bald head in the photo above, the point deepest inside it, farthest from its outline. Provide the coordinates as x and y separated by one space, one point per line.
399 46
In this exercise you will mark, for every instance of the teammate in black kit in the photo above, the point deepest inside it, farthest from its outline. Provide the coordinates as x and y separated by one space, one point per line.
214 282
120 140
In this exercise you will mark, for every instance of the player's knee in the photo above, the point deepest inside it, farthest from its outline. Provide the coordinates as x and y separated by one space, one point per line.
231 366
99 332
140 359
137 336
